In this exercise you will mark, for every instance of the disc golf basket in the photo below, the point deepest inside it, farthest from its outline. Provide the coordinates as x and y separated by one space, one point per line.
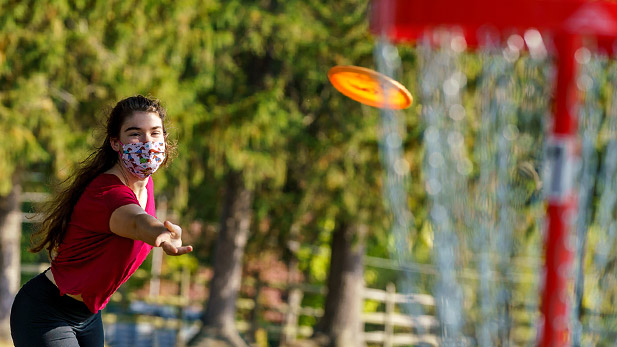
518 101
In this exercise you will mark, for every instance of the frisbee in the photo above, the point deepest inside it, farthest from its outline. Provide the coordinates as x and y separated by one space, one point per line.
367 86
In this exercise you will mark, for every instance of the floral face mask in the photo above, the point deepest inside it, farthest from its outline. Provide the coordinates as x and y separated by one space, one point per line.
142 159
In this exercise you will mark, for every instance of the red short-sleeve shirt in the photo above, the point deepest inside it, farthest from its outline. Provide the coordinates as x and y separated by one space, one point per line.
91 260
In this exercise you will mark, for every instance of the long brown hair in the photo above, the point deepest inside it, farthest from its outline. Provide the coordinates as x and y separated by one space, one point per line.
50 232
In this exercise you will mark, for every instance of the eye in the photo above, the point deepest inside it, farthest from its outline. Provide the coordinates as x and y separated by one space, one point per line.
134 134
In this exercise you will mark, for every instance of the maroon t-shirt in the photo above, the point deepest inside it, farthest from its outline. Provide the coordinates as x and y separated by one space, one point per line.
91 260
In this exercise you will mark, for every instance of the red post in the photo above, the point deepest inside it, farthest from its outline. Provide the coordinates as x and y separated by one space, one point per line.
562 156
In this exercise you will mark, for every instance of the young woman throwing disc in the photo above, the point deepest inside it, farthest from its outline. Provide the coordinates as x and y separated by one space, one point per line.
97 232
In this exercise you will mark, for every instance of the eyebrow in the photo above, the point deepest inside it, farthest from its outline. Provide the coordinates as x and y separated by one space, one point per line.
139 129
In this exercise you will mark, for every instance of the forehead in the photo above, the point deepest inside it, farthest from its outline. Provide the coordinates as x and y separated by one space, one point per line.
144 120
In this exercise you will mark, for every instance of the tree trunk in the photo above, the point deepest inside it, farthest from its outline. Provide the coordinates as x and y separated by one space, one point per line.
219 316
341 324
294 294
10 237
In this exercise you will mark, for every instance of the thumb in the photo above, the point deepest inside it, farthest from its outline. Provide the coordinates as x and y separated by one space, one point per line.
170 226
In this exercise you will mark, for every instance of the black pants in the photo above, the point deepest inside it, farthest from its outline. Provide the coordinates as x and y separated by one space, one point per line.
40 316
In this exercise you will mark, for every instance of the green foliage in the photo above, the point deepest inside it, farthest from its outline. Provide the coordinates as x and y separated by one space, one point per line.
245 86
246 90
178 264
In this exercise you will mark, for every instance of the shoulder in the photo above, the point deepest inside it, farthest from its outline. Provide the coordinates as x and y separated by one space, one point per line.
108 189
106 180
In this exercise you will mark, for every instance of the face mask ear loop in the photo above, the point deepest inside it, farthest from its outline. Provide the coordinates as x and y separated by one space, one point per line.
121 147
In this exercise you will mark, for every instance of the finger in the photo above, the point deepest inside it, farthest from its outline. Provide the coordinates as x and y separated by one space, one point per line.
184 250
173 229
162 237
169 248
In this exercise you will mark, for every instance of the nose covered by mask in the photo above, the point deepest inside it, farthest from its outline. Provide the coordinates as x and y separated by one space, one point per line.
142 159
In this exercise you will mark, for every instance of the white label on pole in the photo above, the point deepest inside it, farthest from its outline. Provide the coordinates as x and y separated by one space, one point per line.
561 160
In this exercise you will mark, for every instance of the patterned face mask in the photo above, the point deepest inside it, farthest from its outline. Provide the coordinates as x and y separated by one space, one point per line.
142 159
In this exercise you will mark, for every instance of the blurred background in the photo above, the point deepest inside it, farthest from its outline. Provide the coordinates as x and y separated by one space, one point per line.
277 176
279 180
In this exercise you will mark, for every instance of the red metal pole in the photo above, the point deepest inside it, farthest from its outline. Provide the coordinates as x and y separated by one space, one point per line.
562 156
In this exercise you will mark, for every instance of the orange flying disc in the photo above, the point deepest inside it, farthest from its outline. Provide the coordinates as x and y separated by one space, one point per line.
367 86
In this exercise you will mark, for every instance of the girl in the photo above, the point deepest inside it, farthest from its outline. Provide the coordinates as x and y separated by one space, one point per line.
97 232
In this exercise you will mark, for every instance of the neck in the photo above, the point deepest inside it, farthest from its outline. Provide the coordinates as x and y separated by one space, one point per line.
135 183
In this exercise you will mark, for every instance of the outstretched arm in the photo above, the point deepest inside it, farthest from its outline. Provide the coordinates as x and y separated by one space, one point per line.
131 221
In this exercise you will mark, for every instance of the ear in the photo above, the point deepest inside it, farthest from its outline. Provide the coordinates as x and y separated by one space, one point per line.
115 144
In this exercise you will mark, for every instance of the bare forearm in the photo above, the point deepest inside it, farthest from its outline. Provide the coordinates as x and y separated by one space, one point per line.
132 222
148 229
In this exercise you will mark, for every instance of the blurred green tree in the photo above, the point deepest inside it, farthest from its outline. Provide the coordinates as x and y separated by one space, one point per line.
35 135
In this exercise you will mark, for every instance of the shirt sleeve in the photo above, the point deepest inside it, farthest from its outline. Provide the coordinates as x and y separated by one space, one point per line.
119 196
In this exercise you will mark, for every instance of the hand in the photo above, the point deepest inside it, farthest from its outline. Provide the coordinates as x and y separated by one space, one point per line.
171 241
